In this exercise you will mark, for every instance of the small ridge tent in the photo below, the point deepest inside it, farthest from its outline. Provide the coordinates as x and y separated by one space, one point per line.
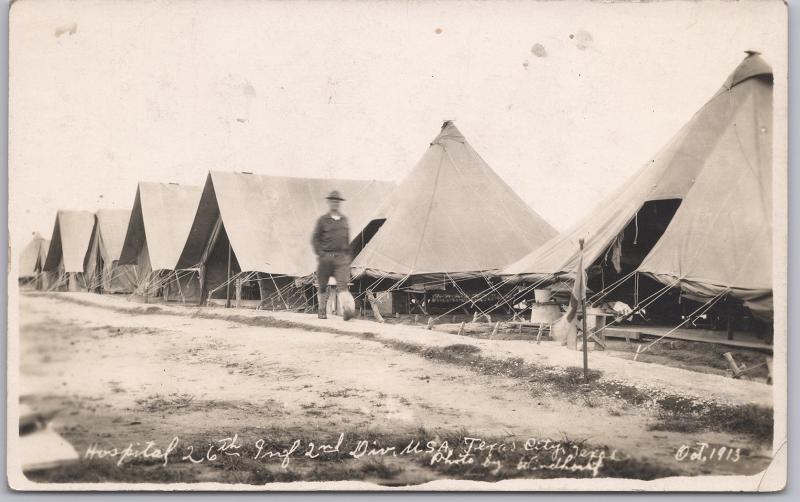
698 216
159 225
68 249
451 220
251 236
31 261
103 271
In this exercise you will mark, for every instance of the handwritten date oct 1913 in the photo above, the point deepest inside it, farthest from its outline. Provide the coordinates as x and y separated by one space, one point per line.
706 452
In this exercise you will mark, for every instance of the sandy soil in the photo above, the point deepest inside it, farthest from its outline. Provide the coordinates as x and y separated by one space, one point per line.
120 376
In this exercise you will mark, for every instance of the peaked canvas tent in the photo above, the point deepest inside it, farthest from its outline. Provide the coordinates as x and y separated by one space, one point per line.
103 271
453 217
31 261
159 225
253 232
714 181
68 249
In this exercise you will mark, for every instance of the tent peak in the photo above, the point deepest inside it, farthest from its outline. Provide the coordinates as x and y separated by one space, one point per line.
448 132
753 65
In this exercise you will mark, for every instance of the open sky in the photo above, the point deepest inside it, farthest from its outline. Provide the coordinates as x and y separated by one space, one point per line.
564 100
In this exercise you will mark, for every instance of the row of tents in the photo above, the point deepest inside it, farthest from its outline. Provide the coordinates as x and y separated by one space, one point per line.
695 220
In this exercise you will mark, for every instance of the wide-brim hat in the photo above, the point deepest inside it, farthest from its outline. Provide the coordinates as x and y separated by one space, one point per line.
335 195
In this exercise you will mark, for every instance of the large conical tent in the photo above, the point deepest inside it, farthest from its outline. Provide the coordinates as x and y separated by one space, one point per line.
720 241
263 224
451 216
159 225
32 258
719 169
103 271
68 250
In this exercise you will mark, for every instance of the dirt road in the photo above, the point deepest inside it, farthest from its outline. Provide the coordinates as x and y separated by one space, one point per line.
123 378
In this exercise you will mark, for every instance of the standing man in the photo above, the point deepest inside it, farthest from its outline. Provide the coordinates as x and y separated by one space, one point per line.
331 241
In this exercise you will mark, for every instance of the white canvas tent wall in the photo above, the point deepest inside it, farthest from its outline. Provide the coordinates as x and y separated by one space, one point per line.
103 271
452 216
268 222
720 239
31 261
68 249
160 221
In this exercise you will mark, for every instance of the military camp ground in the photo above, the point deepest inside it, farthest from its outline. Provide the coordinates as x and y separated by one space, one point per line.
193 311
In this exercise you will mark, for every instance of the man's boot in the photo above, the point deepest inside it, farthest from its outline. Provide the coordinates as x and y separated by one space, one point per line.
322 297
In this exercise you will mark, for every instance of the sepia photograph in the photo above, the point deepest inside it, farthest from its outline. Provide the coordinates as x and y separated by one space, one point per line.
397 245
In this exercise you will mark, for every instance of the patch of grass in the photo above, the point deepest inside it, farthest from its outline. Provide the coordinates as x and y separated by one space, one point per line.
686 425
637 469
461 348
260 475
705 357
379 469
756 421
157 403
347 392
100 471
749 419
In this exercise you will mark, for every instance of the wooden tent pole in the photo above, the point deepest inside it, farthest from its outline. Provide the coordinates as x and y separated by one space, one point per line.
585 333
228 281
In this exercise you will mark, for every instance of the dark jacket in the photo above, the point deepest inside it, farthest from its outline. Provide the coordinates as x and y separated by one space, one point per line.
331 236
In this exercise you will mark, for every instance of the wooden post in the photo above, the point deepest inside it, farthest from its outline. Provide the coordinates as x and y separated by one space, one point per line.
461 329
496 328
732 363
474 317
430 323
238 292
201 280
228 281
585 332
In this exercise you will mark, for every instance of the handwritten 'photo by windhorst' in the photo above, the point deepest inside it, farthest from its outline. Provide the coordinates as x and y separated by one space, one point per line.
391 245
